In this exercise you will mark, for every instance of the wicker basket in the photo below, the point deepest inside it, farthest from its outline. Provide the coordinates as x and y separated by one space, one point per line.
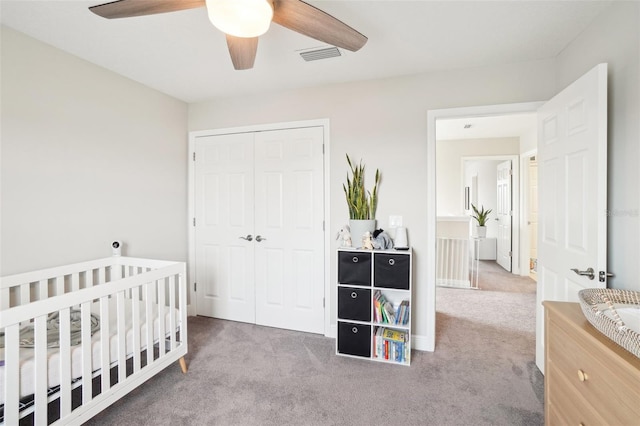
595 301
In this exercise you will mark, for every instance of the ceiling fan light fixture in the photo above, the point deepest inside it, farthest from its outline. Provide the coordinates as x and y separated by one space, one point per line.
240 18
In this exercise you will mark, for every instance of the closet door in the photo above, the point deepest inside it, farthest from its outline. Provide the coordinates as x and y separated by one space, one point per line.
289 214
224 205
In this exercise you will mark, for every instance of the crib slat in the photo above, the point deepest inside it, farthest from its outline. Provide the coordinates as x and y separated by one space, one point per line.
85 312
59 285
88 280
65 362
102 276
40 369
5 297
43 289
149 320
122 334
104 344
161 316
11 374
25 294
75 281
172 312
183 306
135 312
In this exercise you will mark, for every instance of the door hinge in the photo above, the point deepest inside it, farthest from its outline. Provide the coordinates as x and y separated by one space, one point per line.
194 221
322 149
194 156
195 286
323 302
323 226
510 254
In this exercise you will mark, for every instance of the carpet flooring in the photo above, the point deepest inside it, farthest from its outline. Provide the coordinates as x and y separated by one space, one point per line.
482 373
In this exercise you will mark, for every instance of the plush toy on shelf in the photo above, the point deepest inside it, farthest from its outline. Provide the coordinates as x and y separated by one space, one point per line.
344 236
367 242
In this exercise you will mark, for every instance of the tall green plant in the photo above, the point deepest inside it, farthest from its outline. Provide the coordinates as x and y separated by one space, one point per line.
362 203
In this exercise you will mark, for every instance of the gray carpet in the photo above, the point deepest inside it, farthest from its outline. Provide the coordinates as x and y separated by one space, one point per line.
482 373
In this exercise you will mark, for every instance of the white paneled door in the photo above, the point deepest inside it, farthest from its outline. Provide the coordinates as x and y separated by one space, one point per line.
504 214
289 245
224 222
259 228
572 220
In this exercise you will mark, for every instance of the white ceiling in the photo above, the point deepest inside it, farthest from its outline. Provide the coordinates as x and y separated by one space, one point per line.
183 55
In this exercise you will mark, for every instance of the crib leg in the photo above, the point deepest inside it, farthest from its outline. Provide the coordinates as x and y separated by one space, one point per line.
183 365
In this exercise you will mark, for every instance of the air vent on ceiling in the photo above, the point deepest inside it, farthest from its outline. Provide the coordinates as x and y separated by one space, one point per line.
317 54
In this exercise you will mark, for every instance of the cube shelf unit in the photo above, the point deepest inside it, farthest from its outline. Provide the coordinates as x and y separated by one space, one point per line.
363 330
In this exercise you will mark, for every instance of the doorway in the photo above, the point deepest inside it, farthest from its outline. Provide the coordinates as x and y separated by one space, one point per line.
432 118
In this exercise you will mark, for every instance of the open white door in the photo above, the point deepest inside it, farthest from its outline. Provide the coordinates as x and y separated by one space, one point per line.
572 163
504 214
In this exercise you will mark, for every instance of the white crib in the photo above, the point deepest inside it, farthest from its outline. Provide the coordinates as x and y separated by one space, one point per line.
125 295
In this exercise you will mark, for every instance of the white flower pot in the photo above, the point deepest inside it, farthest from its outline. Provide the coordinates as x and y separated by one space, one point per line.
481 231
358 228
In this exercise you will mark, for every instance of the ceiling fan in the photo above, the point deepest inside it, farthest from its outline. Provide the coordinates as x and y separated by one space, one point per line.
243 21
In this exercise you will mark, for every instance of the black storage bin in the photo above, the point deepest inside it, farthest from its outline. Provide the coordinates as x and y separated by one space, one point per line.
354 303
354 339
354 268
391 271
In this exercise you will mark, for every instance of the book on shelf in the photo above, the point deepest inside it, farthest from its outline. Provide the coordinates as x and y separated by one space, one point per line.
390 344
385 312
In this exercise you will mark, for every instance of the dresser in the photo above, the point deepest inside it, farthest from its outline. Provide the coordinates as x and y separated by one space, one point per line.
589 379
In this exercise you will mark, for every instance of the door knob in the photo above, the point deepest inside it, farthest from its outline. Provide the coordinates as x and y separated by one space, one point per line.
259 238
249 237
589 273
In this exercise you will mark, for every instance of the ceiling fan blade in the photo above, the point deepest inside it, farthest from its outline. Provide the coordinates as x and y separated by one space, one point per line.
243 51
129 8
313 22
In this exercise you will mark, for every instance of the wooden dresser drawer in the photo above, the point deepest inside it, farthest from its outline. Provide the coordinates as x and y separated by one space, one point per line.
589 371
568 407
588 378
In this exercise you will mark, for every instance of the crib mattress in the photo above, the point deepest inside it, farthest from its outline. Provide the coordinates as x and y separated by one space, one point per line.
27 364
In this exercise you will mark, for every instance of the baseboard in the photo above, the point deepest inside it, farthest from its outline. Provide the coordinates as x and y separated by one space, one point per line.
332 332
453 283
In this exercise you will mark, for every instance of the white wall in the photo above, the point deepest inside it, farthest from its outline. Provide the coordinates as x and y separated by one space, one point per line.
487 175
614 37
449 184
88 156
384 123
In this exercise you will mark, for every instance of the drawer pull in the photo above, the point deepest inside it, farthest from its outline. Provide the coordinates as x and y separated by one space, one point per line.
355 259
392 262
582 376
354 330
354 294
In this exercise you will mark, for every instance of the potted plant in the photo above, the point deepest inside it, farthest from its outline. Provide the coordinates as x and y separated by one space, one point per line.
362 203
481 216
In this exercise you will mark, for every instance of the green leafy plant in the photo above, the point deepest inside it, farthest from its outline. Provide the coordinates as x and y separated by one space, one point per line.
362 203
481 215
